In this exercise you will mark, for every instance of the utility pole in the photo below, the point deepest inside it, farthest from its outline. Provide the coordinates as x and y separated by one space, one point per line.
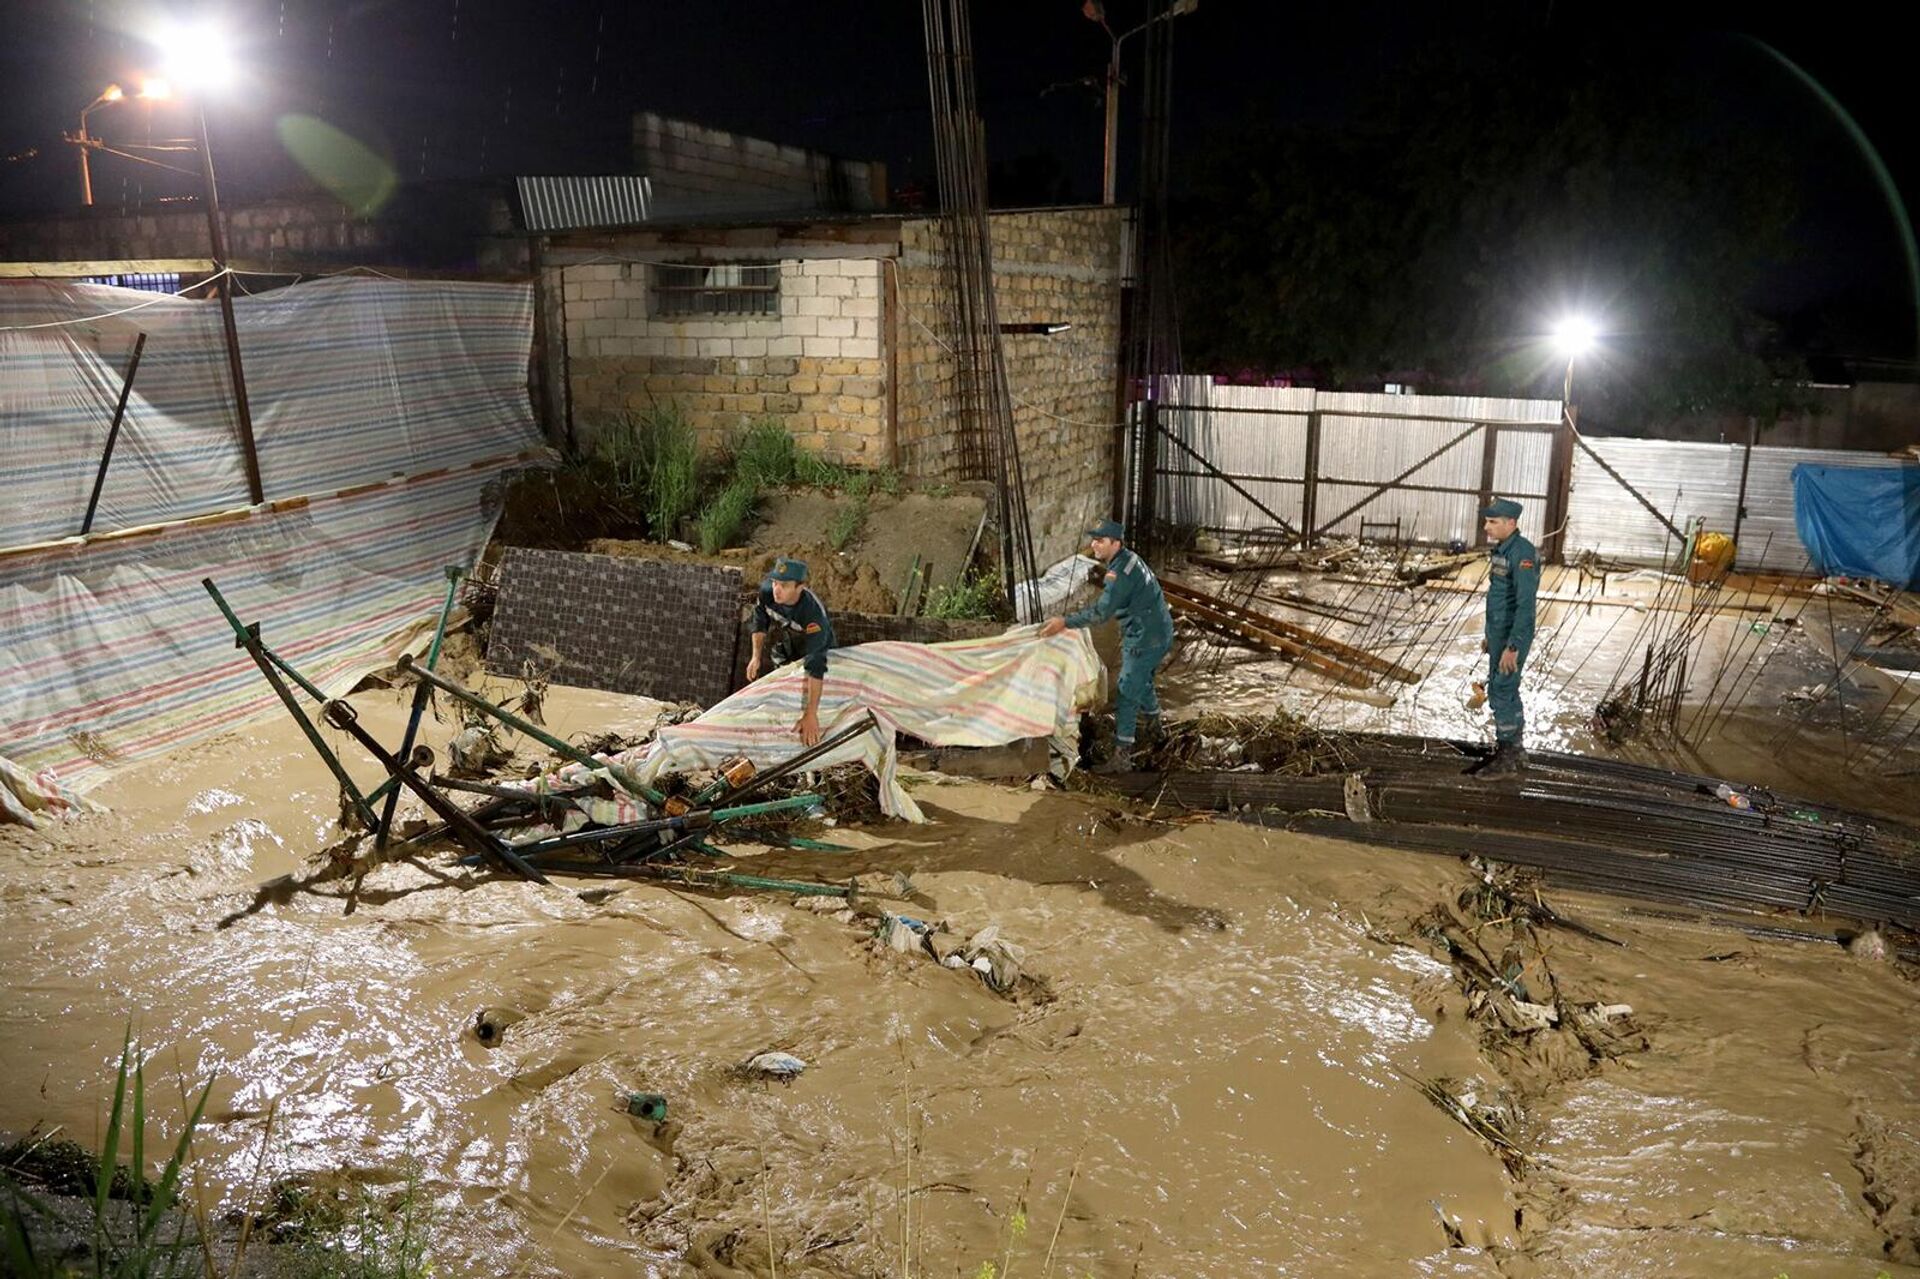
1095 11
223 282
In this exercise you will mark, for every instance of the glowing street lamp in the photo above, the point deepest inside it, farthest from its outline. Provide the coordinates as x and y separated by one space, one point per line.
149 90
1573 337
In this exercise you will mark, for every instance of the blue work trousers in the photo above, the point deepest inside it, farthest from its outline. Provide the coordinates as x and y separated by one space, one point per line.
1503 693
1136 695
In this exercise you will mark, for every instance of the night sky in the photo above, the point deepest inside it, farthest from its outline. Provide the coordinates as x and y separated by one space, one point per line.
449 89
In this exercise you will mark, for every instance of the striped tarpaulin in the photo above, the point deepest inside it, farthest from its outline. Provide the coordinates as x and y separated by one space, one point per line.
112 651
384 411
350 380
973 692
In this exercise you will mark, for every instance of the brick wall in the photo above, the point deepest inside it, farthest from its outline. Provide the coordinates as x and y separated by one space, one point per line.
692 167
818 366
1049 266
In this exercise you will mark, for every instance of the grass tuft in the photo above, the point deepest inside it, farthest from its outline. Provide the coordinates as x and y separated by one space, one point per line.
726 517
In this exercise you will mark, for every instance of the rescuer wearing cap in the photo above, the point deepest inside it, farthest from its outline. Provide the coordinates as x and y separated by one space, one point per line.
1513 579
800 629
1131 594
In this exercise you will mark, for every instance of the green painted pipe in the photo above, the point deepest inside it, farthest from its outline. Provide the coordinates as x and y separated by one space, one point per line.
559 745
266 659
391 787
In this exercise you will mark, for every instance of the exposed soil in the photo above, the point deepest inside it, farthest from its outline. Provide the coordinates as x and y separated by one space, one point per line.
938 531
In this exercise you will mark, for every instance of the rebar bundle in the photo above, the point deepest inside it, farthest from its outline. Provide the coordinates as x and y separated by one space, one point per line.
989 442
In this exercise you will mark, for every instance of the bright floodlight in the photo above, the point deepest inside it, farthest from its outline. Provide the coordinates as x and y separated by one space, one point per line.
1574 335
154 89
197 57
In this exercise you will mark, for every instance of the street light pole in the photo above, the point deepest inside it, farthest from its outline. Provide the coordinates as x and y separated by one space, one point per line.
1113 126
223 282
1097 12
112 93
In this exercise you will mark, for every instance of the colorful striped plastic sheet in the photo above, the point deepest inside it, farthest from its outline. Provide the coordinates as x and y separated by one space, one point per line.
112 652
973 692
384 412
350 380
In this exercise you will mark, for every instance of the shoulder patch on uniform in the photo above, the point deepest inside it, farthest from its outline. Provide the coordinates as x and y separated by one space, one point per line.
1111 575
1526 563
813 628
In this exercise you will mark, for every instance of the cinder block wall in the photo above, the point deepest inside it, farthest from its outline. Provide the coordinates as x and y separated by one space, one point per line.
683 159
454 225
819 365
1056 265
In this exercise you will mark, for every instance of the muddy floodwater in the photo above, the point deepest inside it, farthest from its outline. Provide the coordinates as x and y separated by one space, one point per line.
1220 1079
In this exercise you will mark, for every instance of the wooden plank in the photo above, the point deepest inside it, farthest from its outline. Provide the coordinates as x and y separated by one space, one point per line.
1270 640
1347 654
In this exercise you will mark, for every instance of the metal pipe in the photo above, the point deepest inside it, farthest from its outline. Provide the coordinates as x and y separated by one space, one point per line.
342 716
113 431
560 746
420 694
248 638
224 284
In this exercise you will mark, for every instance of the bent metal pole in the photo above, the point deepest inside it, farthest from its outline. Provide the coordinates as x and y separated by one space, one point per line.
559 745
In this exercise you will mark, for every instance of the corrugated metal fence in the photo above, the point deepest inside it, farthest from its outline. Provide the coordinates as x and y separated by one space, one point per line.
1418 467
1688 480
1414 467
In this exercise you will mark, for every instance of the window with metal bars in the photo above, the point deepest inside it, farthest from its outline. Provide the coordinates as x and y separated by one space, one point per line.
715 288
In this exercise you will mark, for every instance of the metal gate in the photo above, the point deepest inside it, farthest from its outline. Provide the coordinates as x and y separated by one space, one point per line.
1310 464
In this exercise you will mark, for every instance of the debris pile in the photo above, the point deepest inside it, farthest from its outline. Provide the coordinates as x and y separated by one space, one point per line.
606 822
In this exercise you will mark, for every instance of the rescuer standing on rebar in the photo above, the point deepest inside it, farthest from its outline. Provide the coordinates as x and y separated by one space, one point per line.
1513 579
1131 593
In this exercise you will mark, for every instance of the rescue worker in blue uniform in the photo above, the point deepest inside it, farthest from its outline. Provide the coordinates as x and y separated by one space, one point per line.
799 628
1132 594
1513 580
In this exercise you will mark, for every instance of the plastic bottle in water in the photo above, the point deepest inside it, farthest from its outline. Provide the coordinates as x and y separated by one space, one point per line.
1733 797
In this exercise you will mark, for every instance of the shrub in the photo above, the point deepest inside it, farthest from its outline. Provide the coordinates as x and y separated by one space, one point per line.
977 595
652 459
766 454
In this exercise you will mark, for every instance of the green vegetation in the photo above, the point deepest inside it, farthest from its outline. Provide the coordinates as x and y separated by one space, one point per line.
977 595
767 454
652 459
124 1245
725 518
847 520
357 1233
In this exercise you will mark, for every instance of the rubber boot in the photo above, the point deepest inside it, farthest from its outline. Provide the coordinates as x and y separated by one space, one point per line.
1509 760
1121 761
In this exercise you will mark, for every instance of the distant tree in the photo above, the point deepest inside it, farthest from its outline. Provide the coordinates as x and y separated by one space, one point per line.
1495 182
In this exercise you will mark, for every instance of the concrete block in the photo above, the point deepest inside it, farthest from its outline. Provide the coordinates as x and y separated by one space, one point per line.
788 343
833 327
857 308
835 286
750 348
716 348
817 306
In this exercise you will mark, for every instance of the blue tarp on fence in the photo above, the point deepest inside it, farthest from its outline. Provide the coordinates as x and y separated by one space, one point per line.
1860 521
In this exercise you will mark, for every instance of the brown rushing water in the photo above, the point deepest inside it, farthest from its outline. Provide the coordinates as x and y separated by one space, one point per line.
1215 1090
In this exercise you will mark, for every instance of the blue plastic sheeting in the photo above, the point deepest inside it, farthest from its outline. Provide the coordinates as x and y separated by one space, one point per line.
1860 521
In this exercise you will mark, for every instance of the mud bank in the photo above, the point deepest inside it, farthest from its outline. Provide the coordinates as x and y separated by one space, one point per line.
1221 1084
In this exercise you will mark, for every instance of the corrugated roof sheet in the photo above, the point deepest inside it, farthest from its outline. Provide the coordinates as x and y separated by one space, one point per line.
571 204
